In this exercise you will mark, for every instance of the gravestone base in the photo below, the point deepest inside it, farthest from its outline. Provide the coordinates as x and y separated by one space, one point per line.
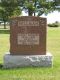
14 61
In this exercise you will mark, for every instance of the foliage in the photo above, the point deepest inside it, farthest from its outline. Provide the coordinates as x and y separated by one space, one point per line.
8 9
10 6
3 16
38 6
29 5
56 24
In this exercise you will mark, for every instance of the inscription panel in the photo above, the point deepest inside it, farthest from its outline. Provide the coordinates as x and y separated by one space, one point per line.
28 39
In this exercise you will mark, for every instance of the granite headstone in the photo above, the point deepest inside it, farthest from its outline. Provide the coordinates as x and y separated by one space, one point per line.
28 36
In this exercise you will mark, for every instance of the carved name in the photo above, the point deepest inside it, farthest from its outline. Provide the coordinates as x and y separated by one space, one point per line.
28 23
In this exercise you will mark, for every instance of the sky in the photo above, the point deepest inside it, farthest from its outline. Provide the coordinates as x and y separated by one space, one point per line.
51 17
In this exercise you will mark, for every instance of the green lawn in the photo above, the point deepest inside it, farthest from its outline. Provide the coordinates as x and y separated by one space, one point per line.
33 73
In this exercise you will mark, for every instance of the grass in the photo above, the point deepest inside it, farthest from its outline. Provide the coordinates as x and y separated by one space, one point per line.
33 73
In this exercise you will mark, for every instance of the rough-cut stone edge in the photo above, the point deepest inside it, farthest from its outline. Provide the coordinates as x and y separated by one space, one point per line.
14 61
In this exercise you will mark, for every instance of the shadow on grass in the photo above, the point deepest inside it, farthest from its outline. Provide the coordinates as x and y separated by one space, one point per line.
1 66
4 31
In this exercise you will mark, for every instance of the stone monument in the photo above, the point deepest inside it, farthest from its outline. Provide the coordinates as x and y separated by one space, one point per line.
27 43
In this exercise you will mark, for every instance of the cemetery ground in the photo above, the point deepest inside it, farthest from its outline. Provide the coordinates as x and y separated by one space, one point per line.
32 73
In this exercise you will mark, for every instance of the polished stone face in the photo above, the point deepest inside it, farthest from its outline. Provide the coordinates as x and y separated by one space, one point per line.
28 36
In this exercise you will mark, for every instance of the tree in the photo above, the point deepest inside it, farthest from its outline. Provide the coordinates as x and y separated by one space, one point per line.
38 6
57 3
9 8
27 6
3 16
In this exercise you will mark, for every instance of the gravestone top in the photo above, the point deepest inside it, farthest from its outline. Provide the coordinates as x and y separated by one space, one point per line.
28 35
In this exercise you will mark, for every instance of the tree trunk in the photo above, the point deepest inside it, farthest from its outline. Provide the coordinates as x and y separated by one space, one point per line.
35 7
34 13
30 13
4 25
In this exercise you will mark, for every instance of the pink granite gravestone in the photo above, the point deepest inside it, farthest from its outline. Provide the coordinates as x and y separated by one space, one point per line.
28 43
28 36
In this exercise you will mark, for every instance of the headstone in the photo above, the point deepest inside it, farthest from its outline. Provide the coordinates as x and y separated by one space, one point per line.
28 36
27 43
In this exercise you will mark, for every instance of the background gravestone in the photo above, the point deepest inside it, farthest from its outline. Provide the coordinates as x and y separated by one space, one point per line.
28 36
